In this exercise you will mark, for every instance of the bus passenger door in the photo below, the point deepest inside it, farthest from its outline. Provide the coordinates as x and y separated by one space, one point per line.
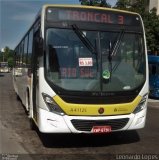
35 63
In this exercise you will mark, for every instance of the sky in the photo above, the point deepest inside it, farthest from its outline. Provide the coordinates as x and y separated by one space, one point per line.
16 16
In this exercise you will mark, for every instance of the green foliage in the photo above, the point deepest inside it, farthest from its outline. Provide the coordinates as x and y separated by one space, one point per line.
150 19
7 56
139 7
100 3
10 62
122 4
151 22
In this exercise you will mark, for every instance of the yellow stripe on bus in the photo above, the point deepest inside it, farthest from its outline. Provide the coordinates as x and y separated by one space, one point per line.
93 109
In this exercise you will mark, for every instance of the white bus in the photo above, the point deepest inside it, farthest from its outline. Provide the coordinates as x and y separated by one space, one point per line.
4 67
83 70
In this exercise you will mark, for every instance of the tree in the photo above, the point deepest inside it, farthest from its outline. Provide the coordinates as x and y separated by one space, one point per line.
7 56
140 7
151 22
6 53
100 3
10 62
1 56
122 4
150 19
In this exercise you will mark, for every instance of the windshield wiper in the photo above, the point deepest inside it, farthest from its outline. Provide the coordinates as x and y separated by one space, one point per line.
84 39
112 52
117 43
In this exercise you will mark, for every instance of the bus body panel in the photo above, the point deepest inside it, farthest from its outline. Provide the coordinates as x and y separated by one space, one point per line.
92 110
52 123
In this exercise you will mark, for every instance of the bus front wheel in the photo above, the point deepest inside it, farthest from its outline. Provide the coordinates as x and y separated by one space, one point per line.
32 124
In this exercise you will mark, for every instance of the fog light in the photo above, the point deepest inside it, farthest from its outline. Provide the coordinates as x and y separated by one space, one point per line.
139 120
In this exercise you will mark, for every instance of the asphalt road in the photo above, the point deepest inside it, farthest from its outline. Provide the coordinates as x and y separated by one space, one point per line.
17 141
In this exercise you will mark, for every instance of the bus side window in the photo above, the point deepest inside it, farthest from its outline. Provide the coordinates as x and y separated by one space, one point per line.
30 45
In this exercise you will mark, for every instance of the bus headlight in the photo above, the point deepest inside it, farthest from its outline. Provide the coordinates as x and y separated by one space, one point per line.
51 104
141 105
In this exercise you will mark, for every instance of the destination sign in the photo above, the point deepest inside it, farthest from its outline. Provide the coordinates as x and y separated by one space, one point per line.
92 16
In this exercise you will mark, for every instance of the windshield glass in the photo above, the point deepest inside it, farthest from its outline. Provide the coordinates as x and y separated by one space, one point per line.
72 65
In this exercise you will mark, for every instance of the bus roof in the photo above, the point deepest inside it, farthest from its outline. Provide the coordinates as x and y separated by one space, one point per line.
87 7
44 7
153 59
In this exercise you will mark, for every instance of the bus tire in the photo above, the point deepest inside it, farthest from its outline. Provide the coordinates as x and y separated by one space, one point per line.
32 124
17 96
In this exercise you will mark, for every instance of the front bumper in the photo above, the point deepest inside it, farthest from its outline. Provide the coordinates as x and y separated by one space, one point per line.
49 122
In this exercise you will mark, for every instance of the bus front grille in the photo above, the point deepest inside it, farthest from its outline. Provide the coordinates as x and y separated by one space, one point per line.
87 125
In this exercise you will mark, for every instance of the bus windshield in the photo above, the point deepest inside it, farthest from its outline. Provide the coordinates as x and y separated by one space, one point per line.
85 60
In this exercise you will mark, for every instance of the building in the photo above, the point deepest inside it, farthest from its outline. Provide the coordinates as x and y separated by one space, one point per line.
154 3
